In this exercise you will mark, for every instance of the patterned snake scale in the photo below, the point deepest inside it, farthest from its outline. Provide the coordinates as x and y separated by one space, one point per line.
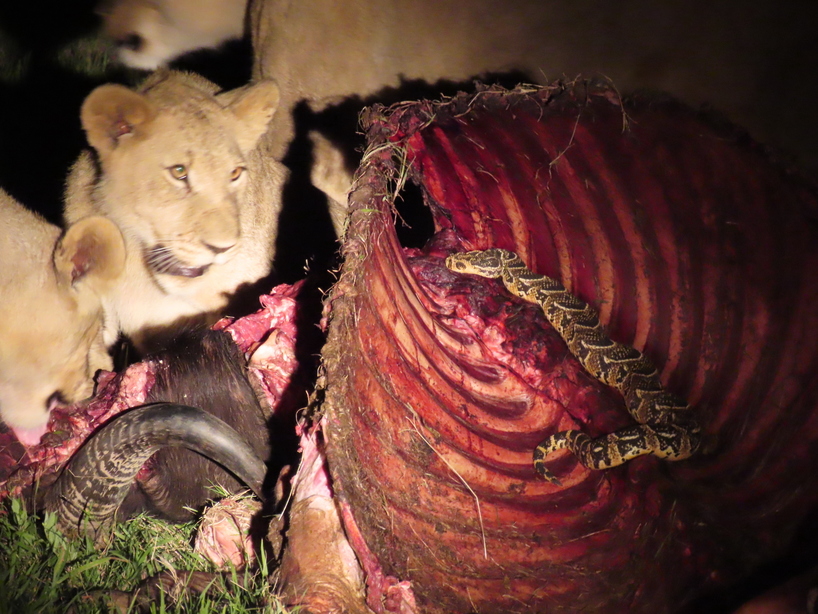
666 428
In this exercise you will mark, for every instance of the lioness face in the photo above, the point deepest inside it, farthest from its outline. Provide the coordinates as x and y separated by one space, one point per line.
51 315
144 37
49 354
175 175
150 33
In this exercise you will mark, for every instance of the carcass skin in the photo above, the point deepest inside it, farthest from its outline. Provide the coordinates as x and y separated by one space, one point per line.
694 248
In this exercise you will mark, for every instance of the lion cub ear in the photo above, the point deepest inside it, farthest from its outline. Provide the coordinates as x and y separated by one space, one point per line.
113 112
254 107
90 256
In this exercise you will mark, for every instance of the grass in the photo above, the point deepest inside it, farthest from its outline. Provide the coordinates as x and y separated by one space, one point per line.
88 57
42 571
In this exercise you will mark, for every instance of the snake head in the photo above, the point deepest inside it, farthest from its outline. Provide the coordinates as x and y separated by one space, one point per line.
486 263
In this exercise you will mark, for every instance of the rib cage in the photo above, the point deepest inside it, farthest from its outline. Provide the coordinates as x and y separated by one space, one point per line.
692 247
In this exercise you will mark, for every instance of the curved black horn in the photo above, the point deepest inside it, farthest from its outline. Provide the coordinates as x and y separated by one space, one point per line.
92 486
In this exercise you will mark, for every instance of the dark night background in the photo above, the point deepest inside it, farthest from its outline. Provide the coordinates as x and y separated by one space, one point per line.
51 58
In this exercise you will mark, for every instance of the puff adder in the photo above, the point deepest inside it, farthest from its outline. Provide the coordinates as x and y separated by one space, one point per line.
666 427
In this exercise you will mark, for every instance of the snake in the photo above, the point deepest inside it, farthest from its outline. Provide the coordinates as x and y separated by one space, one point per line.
666 426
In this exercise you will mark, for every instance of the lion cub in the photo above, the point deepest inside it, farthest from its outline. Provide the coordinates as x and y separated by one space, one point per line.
51 317
174 167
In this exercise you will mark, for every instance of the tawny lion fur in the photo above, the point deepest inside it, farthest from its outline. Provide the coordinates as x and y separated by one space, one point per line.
174 165
150 32
730 56
51 319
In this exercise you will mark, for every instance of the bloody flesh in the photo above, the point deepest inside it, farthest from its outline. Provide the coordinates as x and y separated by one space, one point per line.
267 340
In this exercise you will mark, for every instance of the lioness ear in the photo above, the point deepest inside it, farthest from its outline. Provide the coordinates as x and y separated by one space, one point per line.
254 107
90 256
113 112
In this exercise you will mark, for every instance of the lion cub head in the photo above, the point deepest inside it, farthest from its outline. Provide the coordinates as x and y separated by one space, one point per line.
173 171
51 315
174 163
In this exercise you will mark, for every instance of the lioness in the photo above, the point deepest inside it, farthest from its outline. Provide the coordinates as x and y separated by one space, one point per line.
741 59
173 166
51 317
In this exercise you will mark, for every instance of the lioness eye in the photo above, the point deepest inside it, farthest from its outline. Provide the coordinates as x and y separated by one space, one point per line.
236 173
178 171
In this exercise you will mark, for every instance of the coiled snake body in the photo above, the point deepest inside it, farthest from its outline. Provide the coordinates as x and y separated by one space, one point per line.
666 429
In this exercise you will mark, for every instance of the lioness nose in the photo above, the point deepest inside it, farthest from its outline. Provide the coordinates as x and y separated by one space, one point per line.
216 249
219 228
132 41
